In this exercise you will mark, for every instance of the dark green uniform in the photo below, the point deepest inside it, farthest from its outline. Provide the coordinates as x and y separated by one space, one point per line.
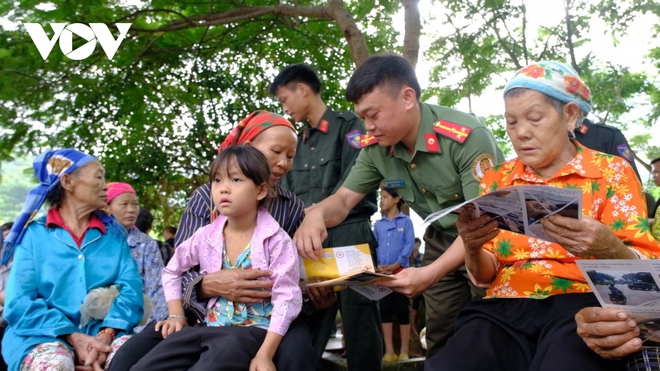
441 172
324 157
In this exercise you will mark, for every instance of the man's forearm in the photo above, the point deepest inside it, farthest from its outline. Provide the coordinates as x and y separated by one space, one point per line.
333 210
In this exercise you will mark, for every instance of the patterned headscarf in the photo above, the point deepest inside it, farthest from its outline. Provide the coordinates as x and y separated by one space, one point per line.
555 79
117 188
253 125
48 167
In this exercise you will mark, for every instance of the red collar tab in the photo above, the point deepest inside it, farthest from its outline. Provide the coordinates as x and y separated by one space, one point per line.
583 129
432 144
451 130
323 125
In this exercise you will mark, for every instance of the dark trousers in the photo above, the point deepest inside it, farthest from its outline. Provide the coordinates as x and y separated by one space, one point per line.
360 317
294 353
520 335
395 303
445 299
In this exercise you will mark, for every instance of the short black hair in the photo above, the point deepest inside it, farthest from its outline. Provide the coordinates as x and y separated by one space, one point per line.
655 160
389 71
251 162
6 227
144 221
170 229
296 73
417 240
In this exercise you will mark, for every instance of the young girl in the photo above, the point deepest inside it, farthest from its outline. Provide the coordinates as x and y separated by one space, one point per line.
244 236
396 240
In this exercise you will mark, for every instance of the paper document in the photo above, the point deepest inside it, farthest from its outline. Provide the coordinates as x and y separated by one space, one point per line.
520 209
629 285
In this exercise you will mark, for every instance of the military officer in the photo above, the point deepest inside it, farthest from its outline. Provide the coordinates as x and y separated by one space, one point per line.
328 145
434 156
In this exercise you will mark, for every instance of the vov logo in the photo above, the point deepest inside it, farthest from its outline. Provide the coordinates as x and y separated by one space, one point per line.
92 33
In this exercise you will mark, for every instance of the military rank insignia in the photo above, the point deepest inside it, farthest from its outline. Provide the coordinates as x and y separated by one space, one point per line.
323 125
432 144
366 140
452 131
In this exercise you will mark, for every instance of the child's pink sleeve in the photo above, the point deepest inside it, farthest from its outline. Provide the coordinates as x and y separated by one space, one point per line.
286 295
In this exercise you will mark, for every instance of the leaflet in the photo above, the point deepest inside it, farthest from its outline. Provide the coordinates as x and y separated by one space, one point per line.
629 285
520 209
341 267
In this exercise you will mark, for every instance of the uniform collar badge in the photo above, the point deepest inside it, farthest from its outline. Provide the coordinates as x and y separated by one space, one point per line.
432 144
323 125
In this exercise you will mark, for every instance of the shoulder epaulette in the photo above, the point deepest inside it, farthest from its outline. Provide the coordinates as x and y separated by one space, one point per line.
452 130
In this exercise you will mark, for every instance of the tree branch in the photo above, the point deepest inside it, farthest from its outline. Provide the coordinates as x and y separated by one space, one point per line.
413 30
569 37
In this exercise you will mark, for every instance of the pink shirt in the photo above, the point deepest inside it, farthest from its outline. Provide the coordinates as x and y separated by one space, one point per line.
272 249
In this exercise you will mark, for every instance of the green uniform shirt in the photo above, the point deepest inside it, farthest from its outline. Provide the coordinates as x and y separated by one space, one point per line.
324 157
441 173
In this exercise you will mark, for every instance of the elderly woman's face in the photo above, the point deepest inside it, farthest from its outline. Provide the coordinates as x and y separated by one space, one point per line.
278 144
88 186
125 208
538 132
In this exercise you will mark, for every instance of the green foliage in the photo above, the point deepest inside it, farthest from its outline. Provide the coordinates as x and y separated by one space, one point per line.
156 113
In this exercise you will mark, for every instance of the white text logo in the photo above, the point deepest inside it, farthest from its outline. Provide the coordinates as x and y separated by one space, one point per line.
92 33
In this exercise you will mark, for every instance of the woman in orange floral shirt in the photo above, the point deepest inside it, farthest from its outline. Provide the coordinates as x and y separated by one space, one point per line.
526 322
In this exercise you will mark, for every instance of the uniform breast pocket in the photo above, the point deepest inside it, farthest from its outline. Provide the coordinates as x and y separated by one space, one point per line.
449 195
300 173
330 168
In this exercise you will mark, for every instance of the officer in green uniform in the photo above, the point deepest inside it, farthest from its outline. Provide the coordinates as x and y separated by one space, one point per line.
434 156
327 148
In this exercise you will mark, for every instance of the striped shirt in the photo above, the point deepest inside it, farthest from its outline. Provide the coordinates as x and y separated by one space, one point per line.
287 209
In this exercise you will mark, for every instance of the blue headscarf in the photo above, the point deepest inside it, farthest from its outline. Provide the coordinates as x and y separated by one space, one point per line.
555 79
48 167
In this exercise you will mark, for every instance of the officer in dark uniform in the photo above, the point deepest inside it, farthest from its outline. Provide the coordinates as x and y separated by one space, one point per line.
605 138
327 148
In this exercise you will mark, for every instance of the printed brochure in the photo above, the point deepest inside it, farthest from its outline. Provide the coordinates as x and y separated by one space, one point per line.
520 209
345 266
629 285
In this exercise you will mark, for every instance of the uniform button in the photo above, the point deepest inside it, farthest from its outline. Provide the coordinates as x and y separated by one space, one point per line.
313 148
80 256
321 159
413 166
305 165
313 167
423 190
457 196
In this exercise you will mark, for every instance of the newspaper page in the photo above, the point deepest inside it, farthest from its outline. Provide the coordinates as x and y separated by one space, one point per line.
341 267
629 285
520 209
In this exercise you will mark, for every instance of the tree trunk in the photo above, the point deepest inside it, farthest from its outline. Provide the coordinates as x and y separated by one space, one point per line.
413 30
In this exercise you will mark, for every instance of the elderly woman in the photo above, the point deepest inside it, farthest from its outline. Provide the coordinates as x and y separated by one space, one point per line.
526 321
123 205
276 138
57 260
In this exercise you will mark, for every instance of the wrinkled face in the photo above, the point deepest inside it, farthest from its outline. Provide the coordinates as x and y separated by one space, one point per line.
125 208
387 202
278 144
655 173
294 101
384 117
235 194
538 132
87 186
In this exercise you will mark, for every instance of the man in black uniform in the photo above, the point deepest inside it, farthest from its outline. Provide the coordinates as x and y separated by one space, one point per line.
605 138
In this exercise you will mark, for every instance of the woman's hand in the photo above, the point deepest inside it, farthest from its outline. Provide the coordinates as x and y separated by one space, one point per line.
262 363
609 332
90 352
171 325
586 237
240 285
475 231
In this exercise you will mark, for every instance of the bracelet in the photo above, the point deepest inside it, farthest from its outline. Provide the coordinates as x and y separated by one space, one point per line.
177 316
107 331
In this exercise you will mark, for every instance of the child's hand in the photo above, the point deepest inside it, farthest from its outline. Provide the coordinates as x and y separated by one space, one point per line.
171 325
262 363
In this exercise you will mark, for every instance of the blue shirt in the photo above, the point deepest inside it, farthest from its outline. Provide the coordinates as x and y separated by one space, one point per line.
396 240
50 278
